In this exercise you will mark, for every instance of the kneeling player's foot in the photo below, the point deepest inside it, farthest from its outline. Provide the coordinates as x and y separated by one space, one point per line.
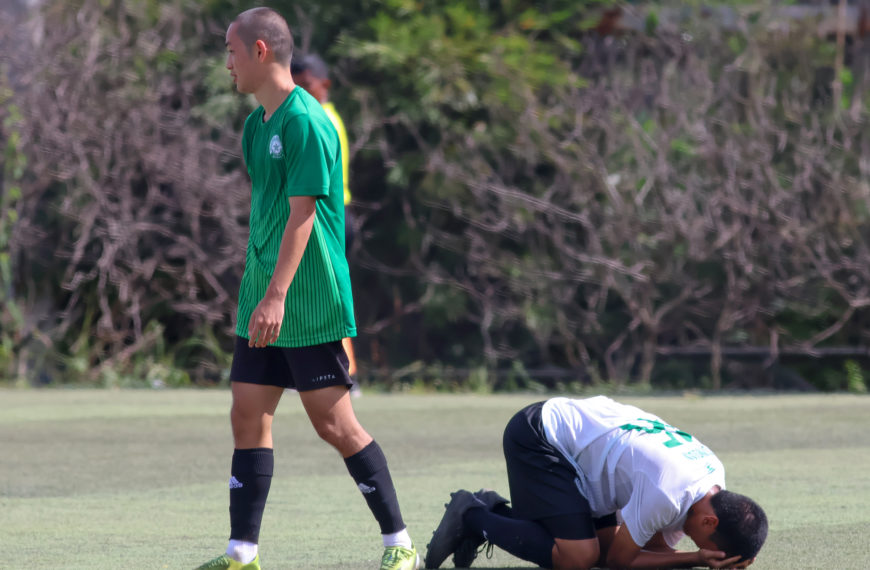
469 547
468 550
490 498
400 558
224 562
451 531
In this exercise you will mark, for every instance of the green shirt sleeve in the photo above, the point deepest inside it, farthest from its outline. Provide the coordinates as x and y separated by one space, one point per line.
310 159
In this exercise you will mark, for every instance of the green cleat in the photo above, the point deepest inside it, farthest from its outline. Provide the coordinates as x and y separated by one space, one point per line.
400 558
224 562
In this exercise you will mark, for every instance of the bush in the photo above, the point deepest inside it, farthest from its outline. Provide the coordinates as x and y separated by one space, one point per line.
527 189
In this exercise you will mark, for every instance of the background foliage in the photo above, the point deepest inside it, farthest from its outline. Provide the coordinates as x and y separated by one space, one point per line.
541 199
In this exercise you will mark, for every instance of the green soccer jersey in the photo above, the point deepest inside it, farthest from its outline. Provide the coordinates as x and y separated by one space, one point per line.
297 153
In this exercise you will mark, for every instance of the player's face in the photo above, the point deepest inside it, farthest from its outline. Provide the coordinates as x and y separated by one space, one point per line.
241 62
702 541
699 527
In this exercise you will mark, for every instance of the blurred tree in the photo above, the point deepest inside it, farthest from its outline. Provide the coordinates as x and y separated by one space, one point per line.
559 197
536 190
130 227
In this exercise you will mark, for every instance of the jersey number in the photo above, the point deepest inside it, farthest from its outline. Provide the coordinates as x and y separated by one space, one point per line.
652 426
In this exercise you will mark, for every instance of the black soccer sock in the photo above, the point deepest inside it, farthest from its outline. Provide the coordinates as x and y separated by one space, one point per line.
524 539
369 470
249 488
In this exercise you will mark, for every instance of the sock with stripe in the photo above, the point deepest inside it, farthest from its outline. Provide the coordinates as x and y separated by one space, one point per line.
369 470
251 477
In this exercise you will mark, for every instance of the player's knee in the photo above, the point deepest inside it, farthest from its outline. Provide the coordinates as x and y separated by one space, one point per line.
247 424
326 431
239 417
347 439
577 557
329 431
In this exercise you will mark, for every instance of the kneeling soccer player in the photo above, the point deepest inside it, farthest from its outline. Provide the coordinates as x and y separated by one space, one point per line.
572 464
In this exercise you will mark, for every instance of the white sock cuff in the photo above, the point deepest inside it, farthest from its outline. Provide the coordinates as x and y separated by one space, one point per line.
401 538
242 551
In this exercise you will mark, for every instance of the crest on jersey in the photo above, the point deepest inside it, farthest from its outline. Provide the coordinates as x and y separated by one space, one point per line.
276 149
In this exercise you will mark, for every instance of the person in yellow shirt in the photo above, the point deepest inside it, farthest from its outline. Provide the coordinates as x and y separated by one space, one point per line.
312 74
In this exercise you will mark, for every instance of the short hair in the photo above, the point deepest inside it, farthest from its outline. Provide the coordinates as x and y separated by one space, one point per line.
313 64
742 527
268 25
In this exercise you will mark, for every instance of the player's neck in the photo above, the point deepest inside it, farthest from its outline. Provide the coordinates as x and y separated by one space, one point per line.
704 502
275 91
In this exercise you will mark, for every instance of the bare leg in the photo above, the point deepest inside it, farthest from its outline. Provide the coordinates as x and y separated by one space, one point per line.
333 418
331 413
576 553
252 466
252 412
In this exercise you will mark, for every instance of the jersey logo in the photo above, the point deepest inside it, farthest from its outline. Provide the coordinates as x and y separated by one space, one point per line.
655 427
276 149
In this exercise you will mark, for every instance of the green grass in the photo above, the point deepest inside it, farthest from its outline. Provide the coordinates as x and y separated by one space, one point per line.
138 479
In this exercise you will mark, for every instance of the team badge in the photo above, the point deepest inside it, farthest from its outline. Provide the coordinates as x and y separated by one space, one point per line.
276 149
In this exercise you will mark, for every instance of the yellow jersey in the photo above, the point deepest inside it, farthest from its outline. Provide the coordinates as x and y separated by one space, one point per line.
345 151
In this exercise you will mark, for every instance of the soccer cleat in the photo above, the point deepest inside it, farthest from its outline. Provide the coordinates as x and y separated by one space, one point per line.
468 550
490 498
224 562
469 547
451 531
400 558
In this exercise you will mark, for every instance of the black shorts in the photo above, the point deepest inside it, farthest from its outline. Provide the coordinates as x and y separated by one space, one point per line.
542 482
303 368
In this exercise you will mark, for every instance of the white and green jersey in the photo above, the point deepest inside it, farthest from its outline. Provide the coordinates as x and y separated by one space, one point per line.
631 461
297 153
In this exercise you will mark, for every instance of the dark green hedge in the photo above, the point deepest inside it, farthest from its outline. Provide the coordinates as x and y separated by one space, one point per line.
539 200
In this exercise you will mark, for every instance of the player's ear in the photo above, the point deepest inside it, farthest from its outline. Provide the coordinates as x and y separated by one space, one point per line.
327 83
260 46
710 521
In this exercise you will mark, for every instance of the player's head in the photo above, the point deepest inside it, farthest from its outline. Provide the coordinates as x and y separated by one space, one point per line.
257 39
742 527
729 522
312 74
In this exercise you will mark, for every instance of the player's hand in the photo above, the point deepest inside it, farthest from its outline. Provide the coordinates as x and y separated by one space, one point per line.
716 559
265 323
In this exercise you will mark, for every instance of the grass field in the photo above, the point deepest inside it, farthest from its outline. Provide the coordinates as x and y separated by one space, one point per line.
138 479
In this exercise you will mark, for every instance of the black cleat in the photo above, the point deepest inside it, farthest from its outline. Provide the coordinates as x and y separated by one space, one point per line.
469 546
451 530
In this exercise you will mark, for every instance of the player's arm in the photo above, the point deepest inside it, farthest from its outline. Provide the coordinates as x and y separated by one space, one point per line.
624 552
658 544
265 323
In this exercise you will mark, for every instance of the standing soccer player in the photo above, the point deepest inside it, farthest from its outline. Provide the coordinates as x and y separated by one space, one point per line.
295 302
